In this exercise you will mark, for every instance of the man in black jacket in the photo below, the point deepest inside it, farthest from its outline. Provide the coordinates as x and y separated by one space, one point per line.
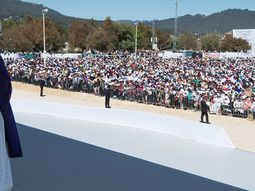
107 96
42 84
204 110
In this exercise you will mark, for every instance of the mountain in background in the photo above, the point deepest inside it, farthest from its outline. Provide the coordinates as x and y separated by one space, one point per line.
221 22
17 9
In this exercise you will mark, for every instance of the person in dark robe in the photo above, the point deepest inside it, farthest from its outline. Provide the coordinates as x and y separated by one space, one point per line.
9 139
12 137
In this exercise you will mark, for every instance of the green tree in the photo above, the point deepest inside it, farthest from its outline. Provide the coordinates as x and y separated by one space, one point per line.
11 33
28 35
126 37
112 32
210 42
79 32
187 41
164 39
55 36
105 38
20 42
144 36
32 32
97 40
232 44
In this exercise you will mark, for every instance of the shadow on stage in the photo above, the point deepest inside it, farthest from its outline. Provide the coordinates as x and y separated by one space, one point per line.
55 163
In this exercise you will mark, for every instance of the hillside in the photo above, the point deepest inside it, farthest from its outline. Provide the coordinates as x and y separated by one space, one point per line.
17 9
221 22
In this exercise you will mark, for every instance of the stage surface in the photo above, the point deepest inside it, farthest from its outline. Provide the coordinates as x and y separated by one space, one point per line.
74 153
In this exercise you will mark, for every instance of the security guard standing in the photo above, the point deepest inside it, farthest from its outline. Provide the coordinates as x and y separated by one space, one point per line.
204 111
42 84
107 96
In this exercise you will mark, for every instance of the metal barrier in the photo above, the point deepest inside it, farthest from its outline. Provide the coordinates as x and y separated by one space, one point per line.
251 115
234 111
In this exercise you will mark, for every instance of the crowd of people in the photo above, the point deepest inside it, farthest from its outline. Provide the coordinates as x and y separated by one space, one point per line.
227 84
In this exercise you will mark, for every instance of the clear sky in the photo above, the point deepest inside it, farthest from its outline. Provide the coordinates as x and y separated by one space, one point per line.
140 9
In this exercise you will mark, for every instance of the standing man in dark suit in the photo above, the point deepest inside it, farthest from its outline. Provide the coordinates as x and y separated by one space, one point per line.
204 110
42 84
107 96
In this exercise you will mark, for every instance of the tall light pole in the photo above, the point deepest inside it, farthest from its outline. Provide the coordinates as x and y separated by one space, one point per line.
136 25
0 27
154 39
175 25
44 11
1 34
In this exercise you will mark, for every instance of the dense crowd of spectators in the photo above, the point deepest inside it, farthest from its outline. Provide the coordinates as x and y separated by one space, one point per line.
228 84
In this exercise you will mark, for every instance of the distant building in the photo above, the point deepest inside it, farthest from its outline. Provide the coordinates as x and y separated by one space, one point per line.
246 34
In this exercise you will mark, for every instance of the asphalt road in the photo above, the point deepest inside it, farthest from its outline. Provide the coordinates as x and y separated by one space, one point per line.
55 163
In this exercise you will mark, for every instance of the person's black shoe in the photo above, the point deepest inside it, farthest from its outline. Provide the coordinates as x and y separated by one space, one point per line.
208 123
201 121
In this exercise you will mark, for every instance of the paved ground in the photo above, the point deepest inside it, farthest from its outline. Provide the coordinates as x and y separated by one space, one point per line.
54 163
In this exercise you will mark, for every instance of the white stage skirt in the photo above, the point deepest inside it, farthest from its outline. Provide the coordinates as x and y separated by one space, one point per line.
5 167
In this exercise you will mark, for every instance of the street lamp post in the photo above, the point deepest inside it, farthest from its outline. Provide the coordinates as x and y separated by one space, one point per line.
44 11
175 25
136 24
0 29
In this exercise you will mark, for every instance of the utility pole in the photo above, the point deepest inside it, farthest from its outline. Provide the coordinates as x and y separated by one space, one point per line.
136 26
44 11
154 39
175 26
1 32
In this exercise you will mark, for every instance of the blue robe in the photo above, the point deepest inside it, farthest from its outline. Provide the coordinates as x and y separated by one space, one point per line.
11 132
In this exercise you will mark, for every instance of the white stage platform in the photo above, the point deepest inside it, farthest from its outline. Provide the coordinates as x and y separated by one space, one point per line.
204 133
200 149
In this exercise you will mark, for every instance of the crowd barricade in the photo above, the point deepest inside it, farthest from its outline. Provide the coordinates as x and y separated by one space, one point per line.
214 108
226 110
232 111
251 115
239 112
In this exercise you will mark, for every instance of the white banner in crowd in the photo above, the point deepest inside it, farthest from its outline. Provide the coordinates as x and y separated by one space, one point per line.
170 54
165 54
66 55
47 55
214 55
10 55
